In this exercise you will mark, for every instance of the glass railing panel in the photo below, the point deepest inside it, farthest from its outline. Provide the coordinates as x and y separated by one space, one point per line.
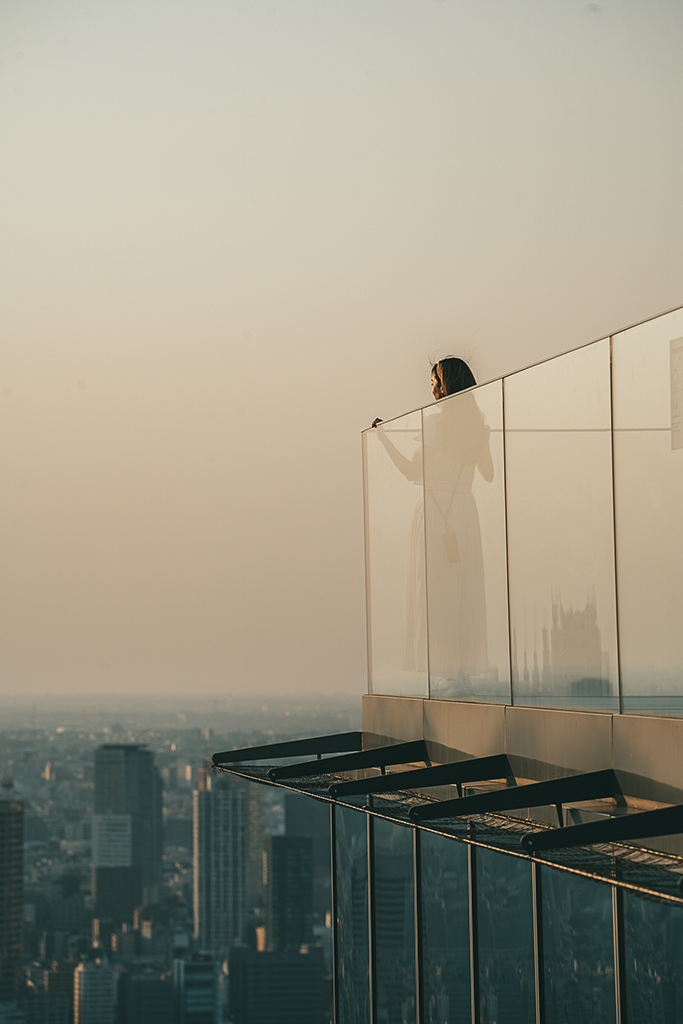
647 381
352 931
578 949
560 532
653 937
394 890
395 557
465 546
445 930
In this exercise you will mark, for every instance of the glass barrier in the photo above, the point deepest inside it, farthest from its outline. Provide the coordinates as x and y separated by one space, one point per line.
394 889
352 933
578 949
653 936
560 532
464 482
647 375
395 557
445 930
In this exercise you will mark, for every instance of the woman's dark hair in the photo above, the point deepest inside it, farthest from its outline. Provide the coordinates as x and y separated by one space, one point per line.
453 375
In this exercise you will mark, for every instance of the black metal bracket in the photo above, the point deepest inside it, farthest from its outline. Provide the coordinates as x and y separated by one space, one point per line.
318 745
455 773
573 788
376 757
665 821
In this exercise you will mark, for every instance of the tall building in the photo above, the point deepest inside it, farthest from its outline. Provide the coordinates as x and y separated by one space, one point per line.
507 828
277 988
144 997
11 895
197 990
289 892
126 833
94 992
220 848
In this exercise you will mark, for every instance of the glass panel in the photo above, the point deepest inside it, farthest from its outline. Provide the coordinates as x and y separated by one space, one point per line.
506 939
578 949
647 370
469 651
654 960
560 532
352 946
445 931
394 923
395 557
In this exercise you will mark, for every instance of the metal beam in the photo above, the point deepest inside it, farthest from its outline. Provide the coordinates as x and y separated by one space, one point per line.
455 773
666 821
573 788
377 757
332 744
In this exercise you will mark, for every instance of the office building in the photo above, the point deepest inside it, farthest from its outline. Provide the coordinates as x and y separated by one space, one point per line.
220 847
197 990
144 997
11 893
507 828
289 892
94 992
277 988
126 832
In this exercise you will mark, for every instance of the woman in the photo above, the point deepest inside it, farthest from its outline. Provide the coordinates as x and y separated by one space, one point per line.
455 443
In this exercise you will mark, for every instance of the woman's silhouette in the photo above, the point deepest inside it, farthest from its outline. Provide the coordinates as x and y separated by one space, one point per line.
455 443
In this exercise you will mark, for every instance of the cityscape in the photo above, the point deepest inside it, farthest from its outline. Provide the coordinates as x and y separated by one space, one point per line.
137 885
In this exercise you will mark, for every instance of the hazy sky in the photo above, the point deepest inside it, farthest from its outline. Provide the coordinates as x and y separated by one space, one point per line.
232 234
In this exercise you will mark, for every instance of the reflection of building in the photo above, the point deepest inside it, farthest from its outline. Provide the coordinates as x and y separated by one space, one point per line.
126 829
276 988
11 894
220 850
289 892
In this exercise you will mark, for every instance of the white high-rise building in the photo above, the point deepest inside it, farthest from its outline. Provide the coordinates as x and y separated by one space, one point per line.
94 992
220 852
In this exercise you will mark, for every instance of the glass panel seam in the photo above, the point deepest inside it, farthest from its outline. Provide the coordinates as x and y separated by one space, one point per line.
372 963
424 541
335 936
366 553
614 530
507 557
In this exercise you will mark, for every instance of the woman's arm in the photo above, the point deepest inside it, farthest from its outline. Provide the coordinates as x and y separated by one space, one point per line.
410 468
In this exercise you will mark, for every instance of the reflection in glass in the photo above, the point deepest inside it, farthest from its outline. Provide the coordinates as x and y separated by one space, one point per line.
395 559
352 944
560 532
578 949
654 960
394 923
445 930
506 939
647 374
465 543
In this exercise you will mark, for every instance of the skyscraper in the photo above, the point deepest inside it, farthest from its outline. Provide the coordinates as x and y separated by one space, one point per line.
11 894
220 834
126 829
94 992
289 892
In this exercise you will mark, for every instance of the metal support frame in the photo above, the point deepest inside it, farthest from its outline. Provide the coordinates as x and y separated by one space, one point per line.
319 745
474 932
537 902
573 788
419 957
372 943
665 821
477 769
335 935
619 953
376 757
